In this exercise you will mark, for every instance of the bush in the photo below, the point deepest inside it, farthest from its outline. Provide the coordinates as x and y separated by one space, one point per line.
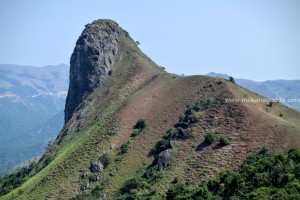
181 191
201 105
104 159
160 146
195 117
171 134
124 148
96 192
280 115
264 152
141 124
135 188
135 132
210 138
294 154
181 118
224 140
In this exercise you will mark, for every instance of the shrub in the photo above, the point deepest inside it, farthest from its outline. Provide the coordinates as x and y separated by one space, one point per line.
224 140
160 146
210 138
184 191
134 183
97 190
141 124
104 159
135 132
197 108
195 117
264 152
124 148
294 154
181 118
280 115
201 105
171 134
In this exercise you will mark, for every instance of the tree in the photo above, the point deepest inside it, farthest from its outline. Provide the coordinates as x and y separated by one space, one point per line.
141 124
137 42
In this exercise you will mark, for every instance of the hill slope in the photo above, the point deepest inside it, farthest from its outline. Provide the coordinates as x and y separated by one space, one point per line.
96 153
288 90
29 98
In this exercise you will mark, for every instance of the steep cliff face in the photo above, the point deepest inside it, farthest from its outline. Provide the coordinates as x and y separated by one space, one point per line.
92 60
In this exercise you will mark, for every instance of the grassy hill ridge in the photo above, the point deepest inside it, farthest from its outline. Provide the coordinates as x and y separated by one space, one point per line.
193 107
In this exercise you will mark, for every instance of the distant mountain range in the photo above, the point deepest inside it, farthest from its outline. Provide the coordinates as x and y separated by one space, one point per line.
32 101
289 90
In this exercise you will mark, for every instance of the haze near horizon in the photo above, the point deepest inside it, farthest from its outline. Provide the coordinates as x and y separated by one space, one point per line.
257 40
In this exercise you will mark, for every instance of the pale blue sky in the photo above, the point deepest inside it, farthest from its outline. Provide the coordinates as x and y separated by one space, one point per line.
254 39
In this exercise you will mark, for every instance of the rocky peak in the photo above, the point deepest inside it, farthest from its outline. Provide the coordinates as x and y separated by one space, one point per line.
92 60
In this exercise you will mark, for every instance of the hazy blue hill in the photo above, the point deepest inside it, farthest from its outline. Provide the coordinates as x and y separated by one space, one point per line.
274 89
30 143
32 100
213 74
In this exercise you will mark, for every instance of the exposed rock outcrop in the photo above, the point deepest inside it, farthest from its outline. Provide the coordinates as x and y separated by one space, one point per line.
96 166
85 185
92 60
164 159
161 162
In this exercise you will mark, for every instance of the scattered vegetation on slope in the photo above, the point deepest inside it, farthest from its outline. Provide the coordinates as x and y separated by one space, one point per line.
136 89
138 127
262 176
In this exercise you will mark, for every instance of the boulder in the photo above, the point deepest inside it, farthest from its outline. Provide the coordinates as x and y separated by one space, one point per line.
96 166
183 133
163 147
183 125
164 159
96 176
84 175
85 185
